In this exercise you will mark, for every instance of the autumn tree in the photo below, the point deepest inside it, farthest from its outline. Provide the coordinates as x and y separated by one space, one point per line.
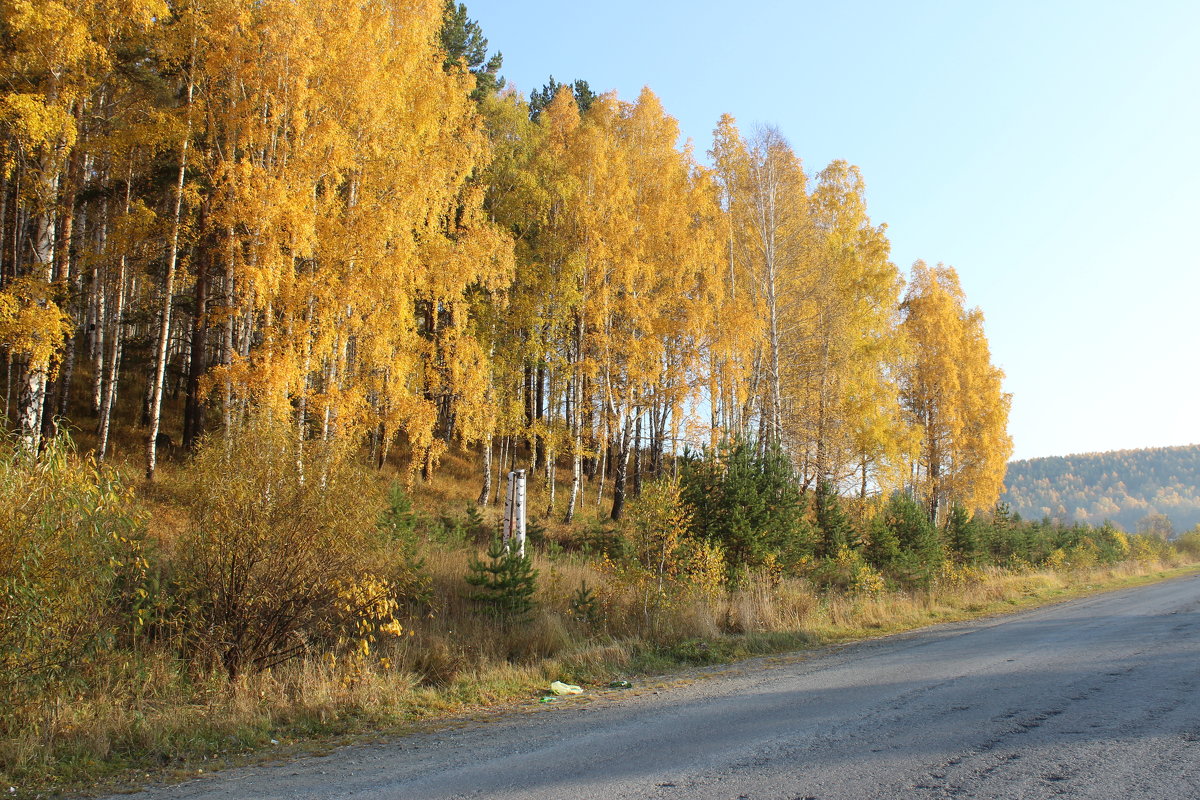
735 350
766 197
54 59
649 295
952 394
349 228
844 347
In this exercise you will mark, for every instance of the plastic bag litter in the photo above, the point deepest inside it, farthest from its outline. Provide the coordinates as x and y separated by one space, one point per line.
558 687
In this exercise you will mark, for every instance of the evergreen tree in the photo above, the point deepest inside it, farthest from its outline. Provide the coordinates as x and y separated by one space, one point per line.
961 534
749 503
539 99
833 526
464 43
504 583
920 548
882 546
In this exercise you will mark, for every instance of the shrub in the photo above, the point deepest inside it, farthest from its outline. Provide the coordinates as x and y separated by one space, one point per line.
848 571
284 552
1189 543
655 527
71 564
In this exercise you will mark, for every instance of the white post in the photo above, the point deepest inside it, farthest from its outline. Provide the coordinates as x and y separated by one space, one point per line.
519 511
507 531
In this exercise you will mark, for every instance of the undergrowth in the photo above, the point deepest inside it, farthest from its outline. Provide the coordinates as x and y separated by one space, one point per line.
241 606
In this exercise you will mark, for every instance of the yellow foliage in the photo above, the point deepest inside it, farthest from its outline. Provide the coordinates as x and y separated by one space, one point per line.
34 125
1057 560
32 325
1121 543
368 606
957 575
862 577
342 171
1142 549
953 395
705 568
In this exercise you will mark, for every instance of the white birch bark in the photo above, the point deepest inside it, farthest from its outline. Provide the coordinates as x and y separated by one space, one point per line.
164 330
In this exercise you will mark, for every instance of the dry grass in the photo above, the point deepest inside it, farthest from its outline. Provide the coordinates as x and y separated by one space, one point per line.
147 712
149 715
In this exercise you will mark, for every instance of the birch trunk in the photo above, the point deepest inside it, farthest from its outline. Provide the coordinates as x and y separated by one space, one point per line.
485 492
622 468
164 331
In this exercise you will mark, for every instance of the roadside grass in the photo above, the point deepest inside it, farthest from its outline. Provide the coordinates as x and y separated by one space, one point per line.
156 706
145 717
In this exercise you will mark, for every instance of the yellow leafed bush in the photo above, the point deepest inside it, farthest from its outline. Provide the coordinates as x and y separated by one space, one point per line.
284 552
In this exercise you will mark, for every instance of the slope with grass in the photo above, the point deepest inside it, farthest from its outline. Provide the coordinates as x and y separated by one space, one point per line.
254 594
1091 698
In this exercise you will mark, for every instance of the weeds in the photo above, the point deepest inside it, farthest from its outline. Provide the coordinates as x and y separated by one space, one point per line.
344 617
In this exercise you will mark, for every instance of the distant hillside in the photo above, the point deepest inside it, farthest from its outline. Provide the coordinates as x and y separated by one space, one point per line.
1127 487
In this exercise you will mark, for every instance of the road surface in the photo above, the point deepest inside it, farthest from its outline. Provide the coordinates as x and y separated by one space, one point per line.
1095 698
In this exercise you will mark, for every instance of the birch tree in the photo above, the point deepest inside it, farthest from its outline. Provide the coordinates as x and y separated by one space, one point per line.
953 395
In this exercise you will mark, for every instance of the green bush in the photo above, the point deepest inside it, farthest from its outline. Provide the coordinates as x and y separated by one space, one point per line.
920 550
962 535
750 503
833 526
1188 544
72 571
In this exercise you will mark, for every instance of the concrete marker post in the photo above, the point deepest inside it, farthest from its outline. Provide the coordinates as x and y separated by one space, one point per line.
519 511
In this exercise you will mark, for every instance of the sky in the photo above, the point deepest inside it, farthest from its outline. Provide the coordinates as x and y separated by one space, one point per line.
1049 151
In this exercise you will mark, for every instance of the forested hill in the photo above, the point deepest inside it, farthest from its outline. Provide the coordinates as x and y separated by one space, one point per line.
1131 488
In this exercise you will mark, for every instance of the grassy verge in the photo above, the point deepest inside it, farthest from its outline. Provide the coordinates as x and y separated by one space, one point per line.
259 601
145 720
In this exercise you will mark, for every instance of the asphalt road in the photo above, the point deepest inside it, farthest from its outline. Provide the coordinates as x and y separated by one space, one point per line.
1095 698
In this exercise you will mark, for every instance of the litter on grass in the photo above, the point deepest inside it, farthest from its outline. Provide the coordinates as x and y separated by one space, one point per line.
560 688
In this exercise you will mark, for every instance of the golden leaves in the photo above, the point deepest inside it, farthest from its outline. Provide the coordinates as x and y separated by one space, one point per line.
953 393
32 324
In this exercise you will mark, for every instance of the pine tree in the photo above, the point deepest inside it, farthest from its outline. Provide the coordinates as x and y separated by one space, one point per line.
920 548
962 537
464 44
883 545
749 503
505 582
539 99
833 526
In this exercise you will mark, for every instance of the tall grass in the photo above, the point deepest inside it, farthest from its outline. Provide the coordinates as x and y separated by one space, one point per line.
145 691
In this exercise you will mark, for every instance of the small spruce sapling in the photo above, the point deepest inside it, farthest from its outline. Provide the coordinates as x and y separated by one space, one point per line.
585 607
504 582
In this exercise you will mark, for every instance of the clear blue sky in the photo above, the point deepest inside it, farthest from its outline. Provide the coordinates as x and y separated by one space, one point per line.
1050 151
